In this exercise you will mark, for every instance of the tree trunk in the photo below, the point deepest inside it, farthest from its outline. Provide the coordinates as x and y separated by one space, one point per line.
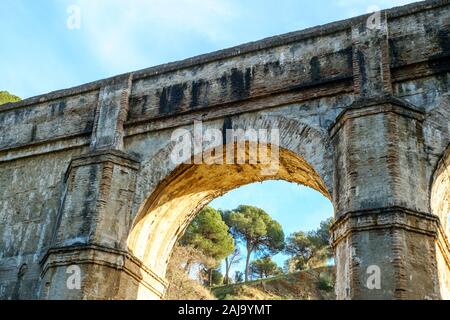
187 267
247 262
210 272
227 271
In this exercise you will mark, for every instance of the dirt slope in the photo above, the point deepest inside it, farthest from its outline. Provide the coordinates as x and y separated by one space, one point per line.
317 284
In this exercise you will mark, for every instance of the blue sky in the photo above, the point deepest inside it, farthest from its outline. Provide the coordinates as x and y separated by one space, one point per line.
39 54
294 206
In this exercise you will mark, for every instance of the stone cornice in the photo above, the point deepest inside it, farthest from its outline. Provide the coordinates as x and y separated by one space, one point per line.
104 256
114 156
380 104
382 218
390 217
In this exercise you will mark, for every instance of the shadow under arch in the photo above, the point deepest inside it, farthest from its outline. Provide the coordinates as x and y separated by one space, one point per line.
166 209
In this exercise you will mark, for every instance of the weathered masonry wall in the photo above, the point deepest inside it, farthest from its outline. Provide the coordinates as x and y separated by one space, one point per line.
364 117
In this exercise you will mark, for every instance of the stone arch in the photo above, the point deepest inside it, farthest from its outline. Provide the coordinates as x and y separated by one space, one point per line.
301 138
440 206
165 205
440 191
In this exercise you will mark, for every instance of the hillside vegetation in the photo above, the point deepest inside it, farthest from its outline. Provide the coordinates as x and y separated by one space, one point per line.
250 235
6 97
316 284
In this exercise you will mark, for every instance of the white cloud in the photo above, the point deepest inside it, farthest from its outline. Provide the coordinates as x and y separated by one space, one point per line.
121 34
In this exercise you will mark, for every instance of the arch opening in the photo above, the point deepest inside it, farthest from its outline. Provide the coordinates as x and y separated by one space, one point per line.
179 197
169 195
440 192
440 206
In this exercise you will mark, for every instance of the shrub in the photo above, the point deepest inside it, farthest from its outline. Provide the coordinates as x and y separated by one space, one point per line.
6 97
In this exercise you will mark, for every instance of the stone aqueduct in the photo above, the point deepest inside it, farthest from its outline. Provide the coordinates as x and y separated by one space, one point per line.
364 117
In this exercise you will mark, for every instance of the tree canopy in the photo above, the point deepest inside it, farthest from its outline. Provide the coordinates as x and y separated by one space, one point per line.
264 267
323 232
238 276
257 230
214 234
209 233
310 248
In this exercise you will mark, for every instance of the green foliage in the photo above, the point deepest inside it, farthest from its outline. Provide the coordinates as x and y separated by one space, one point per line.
229 261
257 230
299 246
263 268
216 278
6 97
226 216
235 256
325 283
308 249
209 234
212 277
238 277
323 233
